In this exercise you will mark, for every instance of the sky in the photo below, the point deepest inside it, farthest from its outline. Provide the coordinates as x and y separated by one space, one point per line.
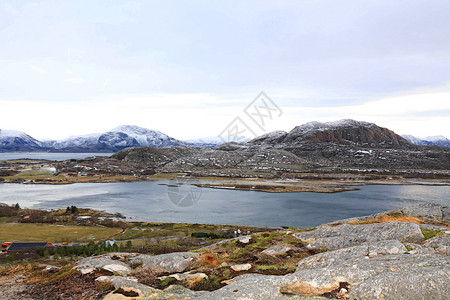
189 68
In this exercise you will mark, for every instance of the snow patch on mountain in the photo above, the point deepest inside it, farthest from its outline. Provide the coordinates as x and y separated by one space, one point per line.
437 140
15 140
215 141
118 138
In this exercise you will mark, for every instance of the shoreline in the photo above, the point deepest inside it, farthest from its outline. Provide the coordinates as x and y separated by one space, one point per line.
246 184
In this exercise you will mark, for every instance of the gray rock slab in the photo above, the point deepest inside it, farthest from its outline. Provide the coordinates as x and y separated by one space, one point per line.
351 255
172 262
122 282
180 292
345 235
86 265
255 287
428 211
411 284
316 281
446 214
438 241
278 250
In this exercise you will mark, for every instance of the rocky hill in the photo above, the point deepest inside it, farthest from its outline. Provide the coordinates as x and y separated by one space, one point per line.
343 132
345 145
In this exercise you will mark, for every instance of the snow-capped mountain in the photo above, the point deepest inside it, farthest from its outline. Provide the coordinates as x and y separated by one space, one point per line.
215 141
437 140
13 140
121 137
111 141
148 137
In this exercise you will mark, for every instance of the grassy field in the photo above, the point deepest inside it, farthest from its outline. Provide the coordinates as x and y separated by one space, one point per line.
149 230
54 233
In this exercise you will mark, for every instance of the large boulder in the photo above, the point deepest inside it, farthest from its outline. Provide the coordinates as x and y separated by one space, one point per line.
171 263
89 264
278 250
345 235
125 283
429 212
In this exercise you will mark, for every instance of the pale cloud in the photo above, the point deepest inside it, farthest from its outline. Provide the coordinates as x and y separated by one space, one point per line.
38 69
191 115
188 68
75 80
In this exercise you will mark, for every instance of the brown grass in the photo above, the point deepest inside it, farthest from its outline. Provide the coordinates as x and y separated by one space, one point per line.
208 259
8 271
386 218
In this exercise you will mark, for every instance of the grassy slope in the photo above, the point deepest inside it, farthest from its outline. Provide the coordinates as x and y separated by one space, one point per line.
54 233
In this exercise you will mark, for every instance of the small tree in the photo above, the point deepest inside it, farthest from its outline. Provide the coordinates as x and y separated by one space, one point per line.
73 209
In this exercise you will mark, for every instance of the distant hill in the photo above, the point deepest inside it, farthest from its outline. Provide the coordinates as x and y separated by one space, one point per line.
13 140
340 145
114 140
214 141
343 132
438 140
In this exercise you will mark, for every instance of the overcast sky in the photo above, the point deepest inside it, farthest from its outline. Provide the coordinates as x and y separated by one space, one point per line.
188 68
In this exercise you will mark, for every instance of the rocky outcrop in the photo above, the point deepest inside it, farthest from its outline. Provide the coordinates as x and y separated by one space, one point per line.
339 132
428 212
413 283
389 261
342 236
278 250
87 265
171 262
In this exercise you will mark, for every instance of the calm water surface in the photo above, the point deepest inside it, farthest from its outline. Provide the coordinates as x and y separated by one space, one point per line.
49 156
154 201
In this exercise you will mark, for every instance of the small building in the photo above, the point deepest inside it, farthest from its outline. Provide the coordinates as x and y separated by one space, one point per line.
18 246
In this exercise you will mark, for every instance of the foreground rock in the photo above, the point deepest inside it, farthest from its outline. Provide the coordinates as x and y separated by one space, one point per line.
345 235
171 262
89 264
389 261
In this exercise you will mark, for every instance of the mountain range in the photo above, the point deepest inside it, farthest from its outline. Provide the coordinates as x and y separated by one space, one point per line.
345 146
343 132
437 140
116 139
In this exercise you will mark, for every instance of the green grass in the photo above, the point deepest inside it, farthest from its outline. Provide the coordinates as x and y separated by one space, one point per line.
8 219
264 268
149 230
428 233
54 233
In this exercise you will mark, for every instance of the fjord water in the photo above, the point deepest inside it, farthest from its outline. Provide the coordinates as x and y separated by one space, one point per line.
154 201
